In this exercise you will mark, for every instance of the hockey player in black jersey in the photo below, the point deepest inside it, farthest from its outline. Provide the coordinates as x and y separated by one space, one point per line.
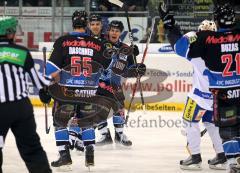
82 55
220 51
95 27
16 65
110 83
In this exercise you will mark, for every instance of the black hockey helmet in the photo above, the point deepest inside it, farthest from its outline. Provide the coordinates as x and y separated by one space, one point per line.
116 24
224 15
79 19
95 17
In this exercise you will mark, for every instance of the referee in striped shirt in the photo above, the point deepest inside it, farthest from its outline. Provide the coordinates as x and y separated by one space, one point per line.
16 110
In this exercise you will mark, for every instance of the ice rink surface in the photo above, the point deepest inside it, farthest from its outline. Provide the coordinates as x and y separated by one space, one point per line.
157 147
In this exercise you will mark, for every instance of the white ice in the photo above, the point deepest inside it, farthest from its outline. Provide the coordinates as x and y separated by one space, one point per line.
155 149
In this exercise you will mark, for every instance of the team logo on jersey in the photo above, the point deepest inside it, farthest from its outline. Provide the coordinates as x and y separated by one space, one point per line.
81 43
223 39
108 45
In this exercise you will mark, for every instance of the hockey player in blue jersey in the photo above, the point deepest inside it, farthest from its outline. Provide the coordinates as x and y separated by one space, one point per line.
111 81
220 52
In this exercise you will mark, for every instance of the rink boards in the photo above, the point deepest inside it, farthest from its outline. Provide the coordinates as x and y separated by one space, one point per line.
165 86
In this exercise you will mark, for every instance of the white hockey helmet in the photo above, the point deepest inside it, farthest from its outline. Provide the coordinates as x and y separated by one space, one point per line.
207 25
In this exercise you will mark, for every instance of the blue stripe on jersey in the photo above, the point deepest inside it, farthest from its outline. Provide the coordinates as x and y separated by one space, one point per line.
231 147
182 46
80 34
118 119
88 134
202 94
61 135
75 129
216 80
51 68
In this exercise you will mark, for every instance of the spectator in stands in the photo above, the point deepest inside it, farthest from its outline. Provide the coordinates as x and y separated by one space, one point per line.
10 3
76 3
103 5
44 3
136 5
66 3
35 3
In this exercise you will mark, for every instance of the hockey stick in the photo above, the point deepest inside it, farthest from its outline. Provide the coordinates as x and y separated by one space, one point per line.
139 78
44 50
122 5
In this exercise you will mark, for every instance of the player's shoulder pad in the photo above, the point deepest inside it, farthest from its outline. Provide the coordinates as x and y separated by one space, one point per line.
203 34
60 39
191 36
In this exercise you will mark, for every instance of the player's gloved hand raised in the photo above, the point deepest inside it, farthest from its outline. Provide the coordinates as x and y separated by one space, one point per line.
44 96
167 18
135 50
139 69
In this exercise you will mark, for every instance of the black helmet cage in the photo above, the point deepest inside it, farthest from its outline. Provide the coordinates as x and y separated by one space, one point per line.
225 16
79 19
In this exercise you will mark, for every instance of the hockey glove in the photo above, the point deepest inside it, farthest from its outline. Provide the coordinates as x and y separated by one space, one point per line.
136 70
44 96
167 18
141 69
135 50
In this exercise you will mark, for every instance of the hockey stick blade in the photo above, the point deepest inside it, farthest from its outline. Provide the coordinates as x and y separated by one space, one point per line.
116 2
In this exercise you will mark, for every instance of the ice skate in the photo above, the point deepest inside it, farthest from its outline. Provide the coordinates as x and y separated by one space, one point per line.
64 162
89 156
122 139
105 139
219 162
193 162
234 168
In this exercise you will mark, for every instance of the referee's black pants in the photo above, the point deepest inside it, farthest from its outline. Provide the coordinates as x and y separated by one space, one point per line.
18 116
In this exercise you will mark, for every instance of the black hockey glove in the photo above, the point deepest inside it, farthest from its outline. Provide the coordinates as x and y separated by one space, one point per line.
141 69
136 70
135 50
44 96
167 18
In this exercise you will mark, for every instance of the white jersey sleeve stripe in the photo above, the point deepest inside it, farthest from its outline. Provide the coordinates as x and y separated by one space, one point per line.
9 82
18 88
2 90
